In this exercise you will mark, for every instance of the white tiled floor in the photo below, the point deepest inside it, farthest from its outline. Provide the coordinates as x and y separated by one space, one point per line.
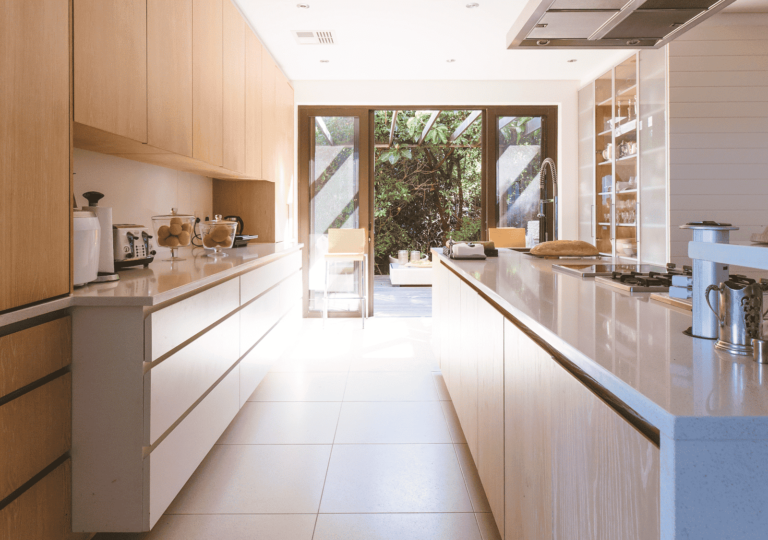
351 436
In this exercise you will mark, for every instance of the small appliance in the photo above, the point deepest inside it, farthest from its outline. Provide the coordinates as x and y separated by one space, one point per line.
132 246
86 230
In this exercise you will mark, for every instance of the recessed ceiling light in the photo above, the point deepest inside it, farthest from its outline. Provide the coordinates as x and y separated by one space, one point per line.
542 42
473 5
451 60
324 61
541 25
572 60
302 6
633 42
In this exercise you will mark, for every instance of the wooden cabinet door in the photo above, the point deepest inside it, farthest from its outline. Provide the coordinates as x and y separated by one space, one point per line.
253 110
234 88
467 409
34 153
490 408
527 441
606 473
169 75
110 61
268 118
207 81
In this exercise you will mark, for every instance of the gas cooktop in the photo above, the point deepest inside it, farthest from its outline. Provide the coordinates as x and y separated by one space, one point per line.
640 281
593 270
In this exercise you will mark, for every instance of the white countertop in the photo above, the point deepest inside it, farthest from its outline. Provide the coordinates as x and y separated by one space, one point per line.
632 346
165 280
161 281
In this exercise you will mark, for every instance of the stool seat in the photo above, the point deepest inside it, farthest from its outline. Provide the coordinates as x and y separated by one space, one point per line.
348 245
345 256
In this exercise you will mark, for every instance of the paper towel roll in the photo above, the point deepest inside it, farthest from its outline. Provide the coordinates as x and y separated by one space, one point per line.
106 252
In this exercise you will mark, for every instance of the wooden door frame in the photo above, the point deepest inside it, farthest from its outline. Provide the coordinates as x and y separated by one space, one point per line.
549 114
549 134
365 208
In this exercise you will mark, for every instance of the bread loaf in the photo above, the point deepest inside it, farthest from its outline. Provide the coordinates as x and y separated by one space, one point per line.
565 248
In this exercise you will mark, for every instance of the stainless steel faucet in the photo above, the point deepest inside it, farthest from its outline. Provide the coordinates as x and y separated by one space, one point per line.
543 232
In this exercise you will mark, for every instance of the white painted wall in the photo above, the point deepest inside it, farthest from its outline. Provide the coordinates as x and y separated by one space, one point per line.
718 121
137 191
472 93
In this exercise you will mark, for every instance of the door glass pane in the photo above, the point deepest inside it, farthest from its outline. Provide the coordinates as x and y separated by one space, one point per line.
334 192
517 169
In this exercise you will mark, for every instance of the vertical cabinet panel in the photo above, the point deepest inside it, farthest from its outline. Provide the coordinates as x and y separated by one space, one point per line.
253 112
34 153
605 472
268 141
169 75
110 39
467 406
527 448
207 80
490 407
234 88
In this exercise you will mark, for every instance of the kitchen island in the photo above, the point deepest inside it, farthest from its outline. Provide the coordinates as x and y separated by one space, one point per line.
163 359
590 414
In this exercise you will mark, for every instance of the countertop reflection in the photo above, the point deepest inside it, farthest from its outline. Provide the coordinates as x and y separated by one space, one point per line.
632 346
164 280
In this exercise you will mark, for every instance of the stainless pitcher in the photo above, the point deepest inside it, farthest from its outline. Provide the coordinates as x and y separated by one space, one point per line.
740 315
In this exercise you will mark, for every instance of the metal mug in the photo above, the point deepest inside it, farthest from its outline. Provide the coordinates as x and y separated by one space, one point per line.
740 315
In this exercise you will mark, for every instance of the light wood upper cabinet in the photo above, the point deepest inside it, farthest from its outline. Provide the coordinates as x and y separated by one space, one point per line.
268 116
169 75
234 88
253 112
207 81
110 63
34 153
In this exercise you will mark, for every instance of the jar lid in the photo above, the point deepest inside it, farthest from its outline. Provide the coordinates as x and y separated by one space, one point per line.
218 219
174 213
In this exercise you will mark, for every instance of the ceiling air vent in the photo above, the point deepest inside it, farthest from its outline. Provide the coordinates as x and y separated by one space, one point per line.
314 37
607 24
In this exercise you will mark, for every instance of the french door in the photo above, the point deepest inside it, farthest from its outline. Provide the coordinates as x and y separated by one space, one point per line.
517 140
334 193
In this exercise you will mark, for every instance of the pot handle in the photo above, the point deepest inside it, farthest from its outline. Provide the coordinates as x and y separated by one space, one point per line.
706 296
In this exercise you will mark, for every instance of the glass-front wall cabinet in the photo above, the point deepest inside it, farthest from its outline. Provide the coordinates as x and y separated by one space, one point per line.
616 165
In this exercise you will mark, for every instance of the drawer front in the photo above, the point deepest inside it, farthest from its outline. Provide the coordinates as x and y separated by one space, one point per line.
43 511
33 353
176 458
256 282
35 429
173 325
257 363
179 380
257 318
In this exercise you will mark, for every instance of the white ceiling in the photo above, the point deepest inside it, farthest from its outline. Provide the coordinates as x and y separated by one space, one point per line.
411 40
748 6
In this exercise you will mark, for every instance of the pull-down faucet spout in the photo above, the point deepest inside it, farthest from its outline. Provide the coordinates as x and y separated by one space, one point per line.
543 232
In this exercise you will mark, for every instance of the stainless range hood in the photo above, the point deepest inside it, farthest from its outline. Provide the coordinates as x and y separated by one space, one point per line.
607 24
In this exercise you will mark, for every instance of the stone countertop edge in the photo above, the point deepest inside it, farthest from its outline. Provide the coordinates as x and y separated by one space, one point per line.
669 425
80 297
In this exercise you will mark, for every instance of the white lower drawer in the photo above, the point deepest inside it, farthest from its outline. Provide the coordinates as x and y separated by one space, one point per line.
177 382
176 458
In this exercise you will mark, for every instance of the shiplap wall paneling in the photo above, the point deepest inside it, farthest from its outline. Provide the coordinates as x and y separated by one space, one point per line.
718 115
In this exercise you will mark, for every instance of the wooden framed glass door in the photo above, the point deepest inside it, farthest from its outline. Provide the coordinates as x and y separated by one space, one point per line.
517 140
334 192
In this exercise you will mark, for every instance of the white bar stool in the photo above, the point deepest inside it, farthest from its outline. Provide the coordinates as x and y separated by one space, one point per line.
348 245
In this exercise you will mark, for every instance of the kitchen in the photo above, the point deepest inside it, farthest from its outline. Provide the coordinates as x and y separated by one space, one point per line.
169 113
